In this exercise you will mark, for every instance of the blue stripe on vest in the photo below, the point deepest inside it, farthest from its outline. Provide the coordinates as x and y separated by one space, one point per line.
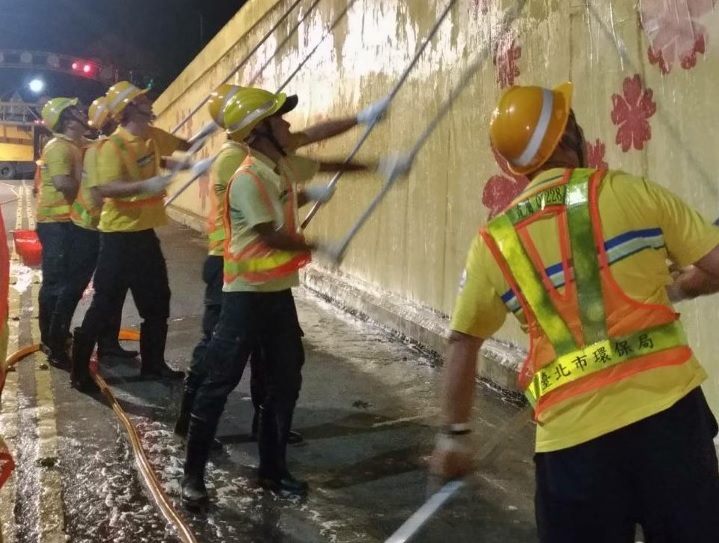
618 248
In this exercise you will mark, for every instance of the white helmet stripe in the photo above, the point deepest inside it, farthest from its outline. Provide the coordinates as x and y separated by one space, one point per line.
251 117
98 114
226 101
122 96
530 151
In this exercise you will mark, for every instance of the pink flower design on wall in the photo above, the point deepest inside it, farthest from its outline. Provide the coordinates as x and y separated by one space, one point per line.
674 32
595 154
505 59
500 190
631 112
481 6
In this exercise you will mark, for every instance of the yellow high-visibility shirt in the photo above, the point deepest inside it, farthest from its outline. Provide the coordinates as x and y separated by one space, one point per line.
84 213
643 225
294 168
60 157
231 155
125 157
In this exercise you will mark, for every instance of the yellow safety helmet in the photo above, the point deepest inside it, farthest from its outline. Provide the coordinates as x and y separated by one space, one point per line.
98 113
528 123
219 98
52 110
249 106
120 95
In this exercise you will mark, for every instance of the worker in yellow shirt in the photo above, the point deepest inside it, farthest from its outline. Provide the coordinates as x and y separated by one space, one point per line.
60 178
624 434
298 170
85 245
129 180
262 256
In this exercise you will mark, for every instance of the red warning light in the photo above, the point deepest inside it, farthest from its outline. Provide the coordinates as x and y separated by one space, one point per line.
87 68
76 65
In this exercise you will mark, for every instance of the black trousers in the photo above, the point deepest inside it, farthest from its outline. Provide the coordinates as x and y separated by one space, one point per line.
134 261
246 319
81 260
55 239
212 276
660 473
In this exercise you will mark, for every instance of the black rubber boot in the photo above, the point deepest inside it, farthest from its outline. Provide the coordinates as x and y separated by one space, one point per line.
115 351
199 437
153 337
272 444
293 438
57 343
82 347
183 418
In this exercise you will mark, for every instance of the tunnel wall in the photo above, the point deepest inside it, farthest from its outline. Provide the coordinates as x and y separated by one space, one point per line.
645 77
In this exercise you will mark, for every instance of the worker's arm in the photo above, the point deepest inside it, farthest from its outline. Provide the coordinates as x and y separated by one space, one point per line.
323 131
326 166
66 185
698 280
282 241
122 189
452 455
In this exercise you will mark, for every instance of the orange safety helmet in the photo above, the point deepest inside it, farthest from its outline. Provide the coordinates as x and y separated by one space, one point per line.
528 123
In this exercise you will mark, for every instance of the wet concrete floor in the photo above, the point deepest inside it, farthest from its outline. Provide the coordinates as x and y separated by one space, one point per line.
368 411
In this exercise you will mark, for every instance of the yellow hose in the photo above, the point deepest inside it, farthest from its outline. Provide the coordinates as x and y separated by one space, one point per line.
148 474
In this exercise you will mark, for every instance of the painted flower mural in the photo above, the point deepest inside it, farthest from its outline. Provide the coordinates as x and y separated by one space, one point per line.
595 154
500 190
674 32
631 112
505 59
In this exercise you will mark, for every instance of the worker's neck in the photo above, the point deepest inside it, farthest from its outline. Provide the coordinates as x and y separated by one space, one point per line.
553 164
140 129
74 135
265 147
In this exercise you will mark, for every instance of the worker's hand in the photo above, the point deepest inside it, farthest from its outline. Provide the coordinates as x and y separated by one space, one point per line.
452 457
156 185
319 193
329 253
374 112
201 167
177 162
395 165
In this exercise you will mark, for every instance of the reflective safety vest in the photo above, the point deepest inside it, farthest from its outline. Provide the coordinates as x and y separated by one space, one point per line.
52 205
230 151
129 159
593 334
258 263
84 213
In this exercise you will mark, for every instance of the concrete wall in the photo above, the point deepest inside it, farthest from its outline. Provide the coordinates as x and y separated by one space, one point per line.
645 79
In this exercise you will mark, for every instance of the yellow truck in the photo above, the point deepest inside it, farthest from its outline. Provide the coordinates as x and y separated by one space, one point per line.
20 135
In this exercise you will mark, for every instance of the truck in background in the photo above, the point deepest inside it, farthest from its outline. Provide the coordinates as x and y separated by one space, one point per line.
22 136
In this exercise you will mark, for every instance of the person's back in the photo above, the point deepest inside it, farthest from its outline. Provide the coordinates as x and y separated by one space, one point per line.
642 226
582 259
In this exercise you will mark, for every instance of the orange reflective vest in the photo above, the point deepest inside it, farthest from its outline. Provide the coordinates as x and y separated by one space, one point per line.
593 334
129 159
258 263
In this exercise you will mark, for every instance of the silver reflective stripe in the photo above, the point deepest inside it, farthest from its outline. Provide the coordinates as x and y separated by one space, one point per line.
98 113
121 97
252 117
539 131
226 101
